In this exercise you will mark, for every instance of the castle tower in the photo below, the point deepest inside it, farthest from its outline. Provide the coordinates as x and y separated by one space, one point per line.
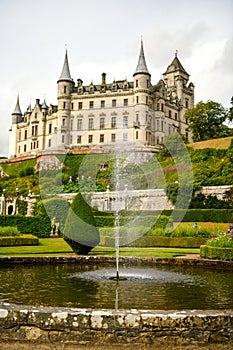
16 119
142 92
65 89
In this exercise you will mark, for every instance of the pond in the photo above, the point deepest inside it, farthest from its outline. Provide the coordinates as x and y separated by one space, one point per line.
159 287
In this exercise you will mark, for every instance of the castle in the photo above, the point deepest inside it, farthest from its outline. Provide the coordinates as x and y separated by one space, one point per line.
94 115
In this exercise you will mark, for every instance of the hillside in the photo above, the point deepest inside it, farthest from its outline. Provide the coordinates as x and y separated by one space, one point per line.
212 166
221 143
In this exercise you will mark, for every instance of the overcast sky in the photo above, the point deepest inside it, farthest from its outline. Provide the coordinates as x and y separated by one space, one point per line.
104 36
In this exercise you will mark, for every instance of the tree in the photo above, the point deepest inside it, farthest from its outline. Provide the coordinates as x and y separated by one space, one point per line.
230 112
80 231
206 121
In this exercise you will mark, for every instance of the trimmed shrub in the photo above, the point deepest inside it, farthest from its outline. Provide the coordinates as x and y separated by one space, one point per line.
39 226
190 232
9 231
80 230
209 252
202 215
159 241
18 241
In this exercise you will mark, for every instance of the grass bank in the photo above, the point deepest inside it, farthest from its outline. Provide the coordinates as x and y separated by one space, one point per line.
57 246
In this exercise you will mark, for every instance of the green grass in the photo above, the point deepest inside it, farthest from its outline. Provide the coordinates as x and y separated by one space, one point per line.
57 246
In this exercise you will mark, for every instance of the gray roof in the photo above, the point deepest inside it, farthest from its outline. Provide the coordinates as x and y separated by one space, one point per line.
141 67
17 109
65 74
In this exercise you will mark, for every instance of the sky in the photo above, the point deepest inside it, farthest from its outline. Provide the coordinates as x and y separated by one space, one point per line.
104 36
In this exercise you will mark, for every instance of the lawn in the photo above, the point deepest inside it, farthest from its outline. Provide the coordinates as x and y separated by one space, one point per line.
214 227
57 246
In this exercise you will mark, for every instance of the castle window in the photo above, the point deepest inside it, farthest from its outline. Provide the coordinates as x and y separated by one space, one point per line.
37 144
136 134
147 83
91 104
162 125
114 87
25 148
19 149
19 135
64 105
137 99
80 105
113 137
125 87
101 137
187 103
35 115
71 124
71 139
102 122
158 106
162 105
157 125
125 136
79 139
169 114
63 122
175 116
63 139
102 104
50 128
90 124
125 102
90 138
49 143
79 124
113 122
72 105
136 83
25 134
137 117
113 103
64 89
147 100
125 121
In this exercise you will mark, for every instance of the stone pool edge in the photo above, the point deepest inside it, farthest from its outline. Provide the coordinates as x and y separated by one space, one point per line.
106 326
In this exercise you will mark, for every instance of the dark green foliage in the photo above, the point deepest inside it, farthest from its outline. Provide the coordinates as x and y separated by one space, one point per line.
53 208
22 206
202 215
200 201
39 226
80 230
209 252
26 171
18 241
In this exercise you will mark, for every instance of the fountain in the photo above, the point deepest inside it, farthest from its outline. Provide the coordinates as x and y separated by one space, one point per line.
75 299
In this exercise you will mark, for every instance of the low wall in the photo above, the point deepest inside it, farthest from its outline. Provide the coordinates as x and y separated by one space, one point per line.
102 327
75 326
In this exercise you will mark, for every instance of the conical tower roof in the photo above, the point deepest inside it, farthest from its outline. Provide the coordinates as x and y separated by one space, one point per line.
65 74
141 67
175 66
17 109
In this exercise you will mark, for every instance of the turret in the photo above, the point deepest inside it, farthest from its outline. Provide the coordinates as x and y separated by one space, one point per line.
17 114
65 89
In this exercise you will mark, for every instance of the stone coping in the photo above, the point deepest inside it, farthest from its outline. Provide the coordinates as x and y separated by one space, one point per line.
192 261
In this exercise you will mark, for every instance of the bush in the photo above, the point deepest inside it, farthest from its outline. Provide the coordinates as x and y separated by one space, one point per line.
9 231
18 241
160 241
26 171
223 240
209 252
190 232
39 226
202 215
80 230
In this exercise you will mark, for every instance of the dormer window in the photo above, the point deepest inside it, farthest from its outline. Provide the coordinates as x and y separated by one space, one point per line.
114 87
125 87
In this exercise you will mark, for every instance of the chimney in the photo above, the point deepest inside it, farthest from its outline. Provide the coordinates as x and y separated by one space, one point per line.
103 78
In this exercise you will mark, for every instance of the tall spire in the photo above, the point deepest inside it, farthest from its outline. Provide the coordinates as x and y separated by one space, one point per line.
65 74
141 67
17 109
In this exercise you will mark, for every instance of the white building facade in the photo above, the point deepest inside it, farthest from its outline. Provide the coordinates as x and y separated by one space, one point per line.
94 115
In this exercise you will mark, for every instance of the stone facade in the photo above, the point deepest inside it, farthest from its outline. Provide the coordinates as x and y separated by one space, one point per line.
86 116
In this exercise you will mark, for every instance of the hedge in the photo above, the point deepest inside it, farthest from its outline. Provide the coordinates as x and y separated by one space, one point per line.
18 240
152 221
159 241
39 226
209 252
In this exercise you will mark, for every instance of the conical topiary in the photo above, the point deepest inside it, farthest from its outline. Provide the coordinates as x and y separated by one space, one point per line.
80 231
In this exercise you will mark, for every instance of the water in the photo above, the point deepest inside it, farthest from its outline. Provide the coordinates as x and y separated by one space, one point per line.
145 288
